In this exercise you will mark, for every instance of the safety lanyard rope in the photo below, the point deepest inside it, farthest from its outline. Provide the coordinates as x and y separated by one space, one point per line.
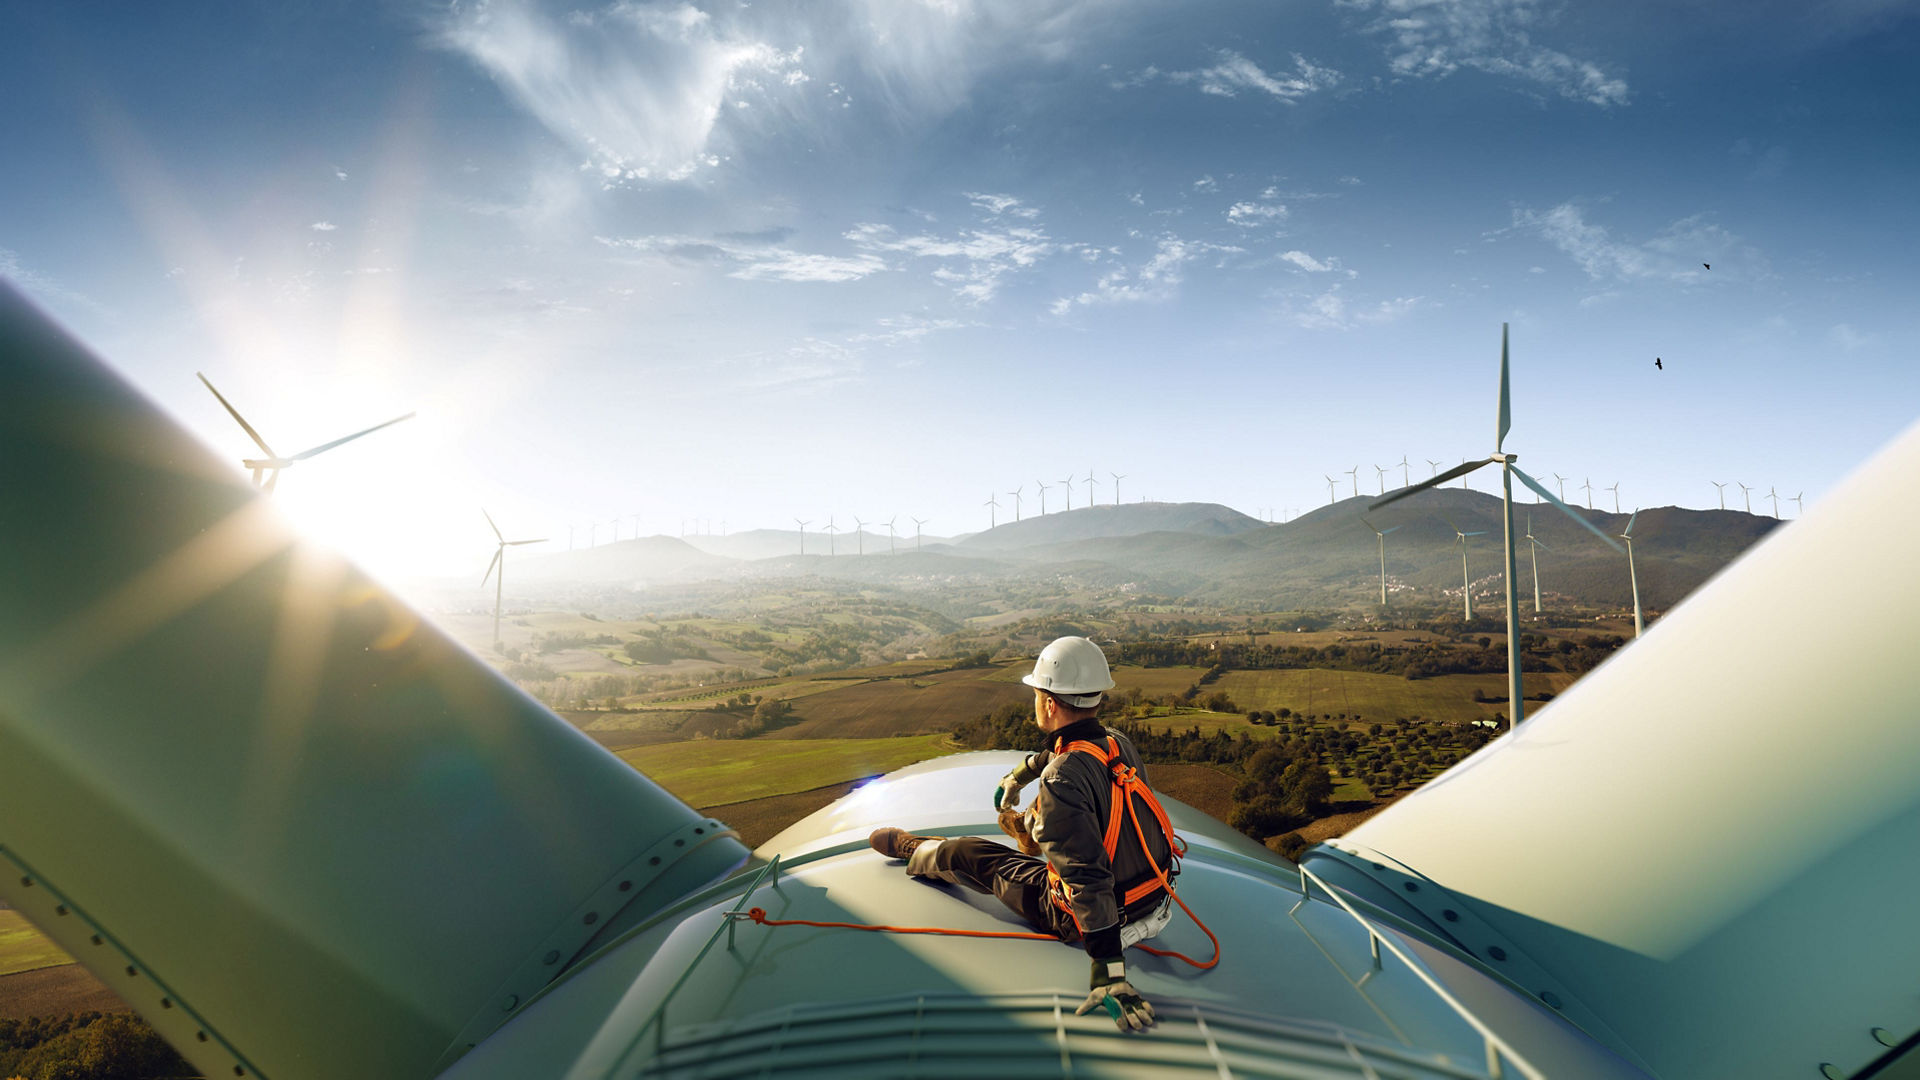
1126 783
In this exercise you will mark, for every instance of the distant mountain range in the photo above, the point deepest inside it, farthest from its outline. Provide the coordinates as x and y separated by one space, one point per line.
1205 551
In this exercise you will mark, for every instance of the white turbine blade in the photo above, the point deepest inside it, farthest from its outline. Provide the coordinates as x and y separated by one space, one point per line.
1369 524
1451 474
1506 409
1385 531
516 543
1540 545
324 447
1565 509
235 413
1482 532
490 566
491 525
1629 529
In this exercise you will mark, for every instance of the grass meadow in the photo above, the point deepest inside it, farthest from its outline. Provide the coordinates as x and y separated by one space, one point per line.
1378 698
22 948
709 772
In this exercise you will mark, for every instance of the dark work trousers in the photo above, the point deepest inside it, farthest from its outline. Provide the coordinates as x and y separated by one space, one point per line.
1019 881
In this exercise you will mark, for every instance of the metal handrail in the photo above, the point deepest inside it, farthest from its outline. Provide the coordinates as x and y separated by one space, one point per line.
727 922
1495 1046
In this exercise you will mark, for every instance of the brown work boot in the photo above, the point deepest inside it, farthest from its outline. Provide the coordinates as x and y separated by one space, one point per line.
896 843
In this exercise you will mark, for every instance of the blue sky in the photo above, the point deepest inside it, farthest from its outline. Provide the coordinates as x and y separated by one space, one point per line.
757 262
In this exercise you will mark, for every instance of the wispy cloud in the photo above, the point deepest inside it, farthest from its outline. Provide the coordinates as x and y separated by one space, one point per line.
1678 253
323 226
1439 37
1232 74
998 205
1154 281
900 330
748 260
1249 215
1331 311
976 262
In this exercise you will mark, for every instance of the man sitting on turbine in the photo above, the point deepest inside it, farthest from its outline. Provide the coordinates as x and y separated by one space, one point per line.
1105 853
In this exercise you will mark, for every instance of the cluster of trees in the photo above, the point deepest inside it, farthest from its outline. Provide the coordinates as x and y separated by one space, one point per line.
664 646
754 716
86 1046
1473 656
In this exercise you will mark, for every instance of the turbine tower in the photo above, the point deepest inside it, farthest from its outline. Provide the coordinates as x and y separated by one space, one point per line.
1466 581
1562 482
1117 477
1798 508
1436 466
890 534
1383 478
993 508
273 463
1043 497
1534 547
803 534
1091 484
1588 488
1068 484
1616 496
1016 500
830 531
859 536
1638 624
1354 475
917 522
1508 470
1406 476
1464 478
1330 486
1771 494
1723 492
1746 493
1381 535
499 562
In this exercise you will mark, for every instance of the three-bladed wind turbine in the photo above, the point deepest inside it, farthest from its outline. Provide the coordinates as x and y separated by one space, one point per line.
917 522
993 508
273 463
1381 535
1016 500
1331 482
500 563
1508 470
1776 502
1068 484
1436 466
1746 493
1723 492
1588 488
1381 469
859 536
803 533
890 534
1092 497
1616 496
1534 547
1043 497
1466 581
1561 481
1406 477
1798 508
830 530
1117 477
1633 577
1354 475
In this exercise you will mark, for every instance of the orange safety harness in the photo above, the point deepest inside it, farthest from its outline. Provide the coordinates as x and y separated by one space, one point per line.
1127 784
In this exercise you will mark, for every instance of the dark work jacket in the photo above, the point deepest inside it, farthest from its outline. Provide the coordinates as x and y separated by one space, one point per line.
1069 819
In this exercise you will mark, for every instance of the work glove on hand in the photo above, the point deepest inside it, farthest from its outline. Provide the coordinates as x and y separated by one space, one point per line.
1110 990
1008 793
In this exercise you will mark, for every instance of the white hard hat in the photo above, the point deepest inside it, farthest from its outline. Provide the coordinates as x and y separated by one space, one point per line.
1074 670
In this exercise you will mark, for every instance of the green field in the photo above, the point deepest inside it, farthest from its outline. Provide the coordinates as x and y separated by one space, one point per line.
899 706
712 772
1377 698
22 948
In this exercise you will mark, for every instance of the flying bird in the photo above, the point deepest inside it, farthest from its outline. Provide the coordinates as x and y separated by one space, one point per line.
1707 265
1658 364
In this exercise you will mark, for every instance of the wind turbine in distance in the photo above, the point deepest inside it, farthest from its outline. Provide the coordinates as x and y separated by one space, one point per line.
1633 577
1381 535
1354 475
273 463
803 534
1723 492
1798 509
1016 500
917 522
1534 547
1466 582
1406 477
1068 484
1562 481
859 536
499 562
1776 502
890 522
1746 493
830 530
1463 477
1383 478
1091 484
1117 477
1330 486
993 506
1588 488
1436 466
1043 497
1508 470
1616 496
